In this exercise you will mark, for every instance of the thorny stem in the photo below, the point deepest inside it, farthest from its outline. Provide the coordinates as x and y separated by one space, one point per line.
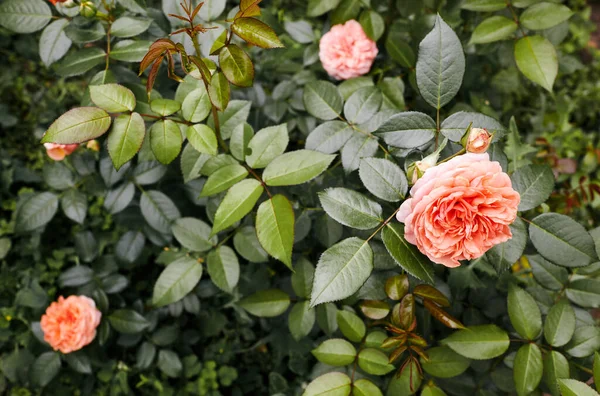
382 225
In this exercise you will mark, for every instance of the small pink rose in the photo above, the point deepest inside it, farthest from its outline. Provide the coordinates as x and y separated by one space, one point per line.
58 152
478 141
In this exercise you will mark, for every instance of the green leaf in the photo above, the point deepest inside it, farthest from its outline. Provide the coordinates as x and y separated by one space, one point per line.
399 49
432 390
320 7
169 363
193 234
330 384
165 140
335 352
74 204
536 58
158 210
504 255
236 113
383 178
454 127
548 275
363 105
560 324
562 240
129 27
176 281
524 3
266 303
322 100
409 129
125 138
196 106
351 208
329 137
236 66
202 138
129 50
247 245
24 16
296 167
341 271
544 16
165 107
54 43
36 211
406 255
528 369
80 61
407 383
78 125
443 362
301 320
45 368
118 199
364 387
351 326
275 228
373 361
218 90
524 313
79 362
441 65
478 342
240 137
211 9
222 179
266 145
256 33
534 183
224 268
484 5
128 321
373 24
585 341
556 366
571 387
302 278
145 355
238 202
493 29
584 292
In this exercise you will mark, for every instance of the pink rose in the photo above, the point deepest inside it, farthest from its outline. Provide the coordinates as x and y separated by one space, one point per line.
70 323
346 51
478 141
58 152
460 209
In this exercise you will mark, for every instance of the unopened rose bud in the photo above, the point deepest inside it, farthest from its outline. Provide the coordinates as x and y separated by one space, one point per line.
69 4
88 9
416 170
93 145
477 141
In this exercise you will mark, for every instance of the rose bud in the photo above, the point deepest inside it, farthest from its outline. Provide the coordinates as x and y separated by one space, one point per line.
88 9
93 145
476 140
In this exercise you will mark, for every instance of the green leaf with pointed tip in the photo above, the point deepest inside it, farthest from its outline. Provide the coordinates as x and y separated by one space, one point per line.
238 202
373 24
493 29
223 178
256 32
240 138
536 58
266 145
81 61
406 255
158 210
342 270
77 126
176 281
484 5
409 129
443 362
528 369
585 341
224 268
556 366
571 387
323 100
165 107
329 137
126 26
584 292
266 303
193 234
534 183
165 140
125 138
363 104
351 208
524 313
236 66
560 324
45 368
113 98
218 90
335 352
36 211
275 228
364 387
54 43
196 105
351 326
128 321
544 16
375 362
330 384
24 16
202 138
596 368
478 342
296 167
383 178
301 320
441 65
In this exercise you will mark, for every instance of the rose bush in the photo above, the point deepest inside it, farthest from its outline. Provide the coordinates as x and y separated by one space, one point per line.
233 213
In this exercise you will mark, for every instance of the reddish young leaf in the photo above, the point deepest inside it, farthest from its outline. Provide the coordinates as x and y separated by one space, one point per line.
445 318
431 293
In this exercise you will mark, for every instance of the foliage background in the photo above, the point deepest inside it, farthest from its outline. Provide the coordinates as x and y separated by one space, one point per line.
207 343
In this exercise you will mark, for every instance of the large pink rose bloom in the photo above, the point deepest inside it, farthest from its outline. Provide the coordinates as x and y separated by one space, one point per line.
346 51
70 323
460 209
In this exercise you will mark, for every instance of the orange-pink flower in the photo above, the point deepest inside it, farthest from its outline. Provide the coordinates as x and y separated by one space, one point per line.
460 209
346 51
58 152
70 323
